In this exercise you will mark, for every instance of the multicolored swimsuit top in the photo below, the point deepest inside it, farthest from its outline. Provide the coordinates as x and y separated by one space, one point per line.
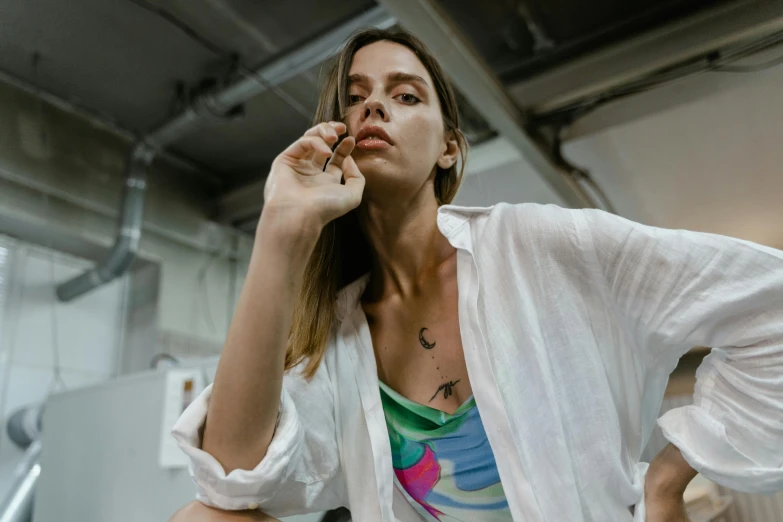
443 462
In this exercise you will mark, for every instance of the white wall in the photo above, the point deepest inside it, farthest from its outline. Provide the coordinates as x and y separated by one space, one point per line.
713 164
41 337
514 182
496 172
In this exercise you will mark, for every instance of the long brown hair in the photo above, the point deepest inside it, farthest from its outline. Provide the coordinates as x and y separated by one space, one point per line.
329 267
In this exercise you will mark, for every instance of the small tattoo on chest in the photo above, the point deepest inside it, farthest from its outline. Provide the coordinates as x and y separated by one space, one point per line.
423 341
447 389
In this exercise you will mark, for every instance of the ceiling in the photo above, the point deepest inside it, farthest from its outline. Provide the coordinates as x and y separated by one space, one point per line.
519 38
135 61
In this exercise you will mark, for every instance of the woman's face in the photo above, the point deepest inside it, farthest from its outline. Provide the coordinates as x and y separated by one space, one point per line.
395 115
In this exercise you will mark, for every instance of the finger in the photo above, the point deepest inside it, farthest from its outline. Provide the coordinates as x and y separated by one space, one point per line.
312 148
325 131
339 126
342 151
354 180
329 131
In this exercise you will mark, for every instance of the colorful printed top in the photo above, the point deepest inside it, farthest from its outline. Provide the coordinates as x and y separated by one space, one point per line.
443 462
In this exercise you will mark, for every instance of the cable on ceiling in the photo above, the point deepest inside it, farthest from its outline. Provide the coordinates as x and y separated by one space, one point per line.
750 68
223 54
182 26
712 62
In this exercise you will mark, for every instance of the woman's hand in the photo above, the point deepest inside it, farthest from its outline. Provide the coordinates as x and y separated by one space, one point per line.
298 186
198 512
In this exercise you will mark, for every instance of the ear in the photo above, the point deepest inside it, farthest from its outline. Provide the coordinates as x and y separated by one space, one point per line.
450 152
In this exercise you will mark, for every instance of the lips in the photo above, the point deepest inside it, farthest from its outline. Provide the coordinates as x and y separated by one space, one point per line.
373 137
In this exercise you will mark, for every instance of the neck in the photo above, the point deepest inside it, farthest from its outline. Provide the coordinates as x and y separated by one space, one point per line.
407 246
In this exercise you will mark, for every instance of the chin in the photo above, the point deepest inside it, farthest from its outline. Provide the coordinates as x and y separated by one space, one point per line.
376 166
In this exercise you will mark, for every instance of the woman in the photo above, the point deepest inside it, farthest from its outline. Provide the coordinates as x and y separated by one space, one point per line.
399 318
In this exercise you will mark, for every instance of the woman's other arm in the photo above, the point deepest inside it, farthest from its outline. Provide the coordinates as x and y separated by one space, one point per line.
677 289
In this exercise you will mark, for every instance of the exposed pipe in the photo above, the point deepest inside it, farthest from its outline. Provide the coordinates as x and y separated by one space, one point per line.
126 245
24 430
24 425
18 503
214 106
284 68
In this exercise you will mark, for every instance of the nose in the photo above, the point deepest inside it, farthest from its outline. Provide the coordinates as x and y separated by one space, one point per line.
375 107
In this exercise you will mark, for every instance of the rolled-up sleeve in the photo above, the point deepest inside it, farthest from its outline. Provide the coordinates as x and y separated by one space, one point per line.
300 472
677 289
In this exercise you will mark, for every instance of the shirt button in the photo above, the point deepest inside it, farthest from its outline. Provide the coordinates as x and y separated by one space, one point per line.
252 505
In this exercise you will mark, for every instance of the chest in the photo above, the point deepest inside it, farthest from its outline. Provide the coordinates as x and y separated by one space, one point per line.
418 347
532 342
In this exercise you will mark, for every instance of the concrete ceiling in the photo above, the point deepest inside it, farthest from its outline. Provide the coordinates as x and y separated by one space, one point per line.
126 58
242 149
112 56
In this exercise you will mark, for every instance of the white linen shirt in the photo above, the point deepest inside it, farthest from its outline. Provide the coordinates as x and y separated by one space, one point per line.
571 322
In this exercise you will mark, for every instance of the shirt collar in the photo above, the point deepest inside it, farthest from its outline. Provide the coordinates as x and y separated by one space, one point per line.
348 297
453 222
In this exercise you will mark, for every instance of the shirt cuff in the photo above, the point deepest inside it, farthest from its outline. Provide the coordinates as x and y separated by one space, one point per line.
703 443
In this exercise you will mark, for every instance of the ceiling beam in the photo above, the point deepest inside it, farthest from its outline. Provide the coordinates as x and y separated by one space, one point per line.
647 53
483 90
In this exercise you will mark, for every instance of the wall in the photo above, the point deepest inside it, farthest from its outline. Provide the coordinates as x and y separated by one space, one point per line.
47 346
61 180
712 164
512 183
495 172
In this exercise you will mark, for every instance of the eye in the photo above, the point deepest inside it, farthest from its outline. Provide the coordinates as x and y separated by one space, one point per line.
353 99
408 98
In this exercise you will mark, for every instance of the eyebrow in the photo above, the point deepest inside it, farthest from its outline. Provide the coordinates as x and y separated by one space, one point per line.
395 77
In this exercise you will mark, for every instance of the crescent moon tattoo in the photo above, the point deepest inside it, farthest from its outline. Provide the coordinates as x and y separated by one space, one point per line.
423 341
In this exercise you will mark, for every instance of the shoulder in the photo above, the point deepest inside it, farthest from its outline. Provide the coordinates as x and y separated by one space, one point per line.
562 234
507 215
533 223
519 219
554 223
533 214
